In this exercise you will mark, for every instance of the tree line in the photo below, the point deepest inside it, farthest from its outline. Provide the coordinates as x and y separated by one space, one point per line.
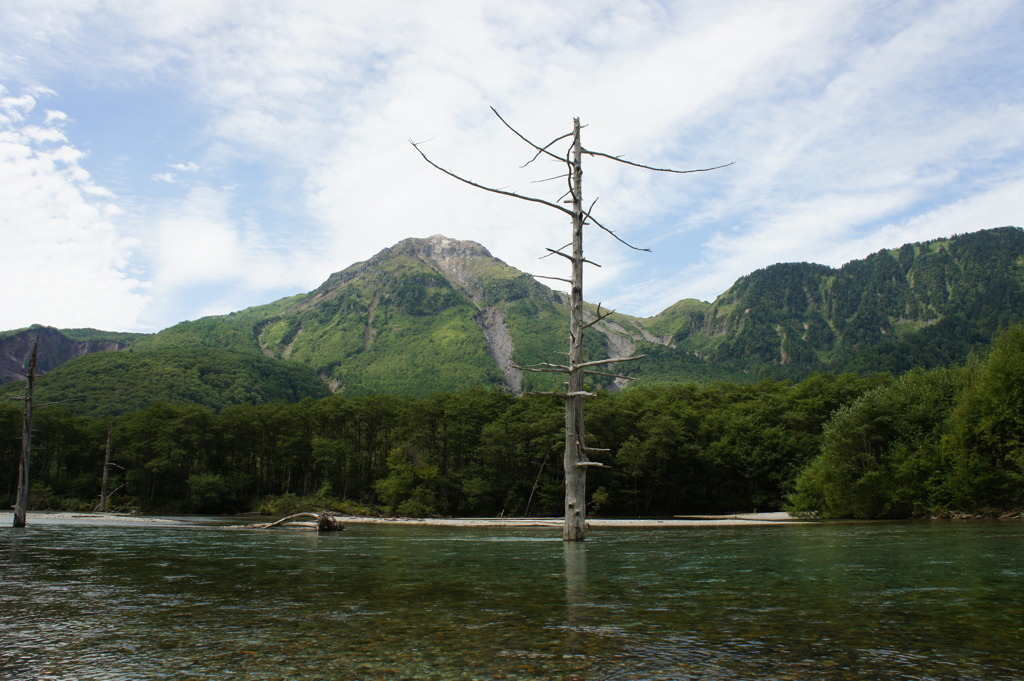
929 442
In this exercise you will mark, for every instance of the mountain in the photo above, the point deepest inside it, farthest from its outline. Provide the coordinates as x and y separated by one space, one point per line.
104 384
425 315
923 304
55 348
438 314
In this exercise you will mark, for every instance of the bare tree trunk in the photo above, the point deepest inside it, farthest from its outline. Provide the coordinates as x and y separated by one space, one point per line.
106 468
575 460
575 474
21 500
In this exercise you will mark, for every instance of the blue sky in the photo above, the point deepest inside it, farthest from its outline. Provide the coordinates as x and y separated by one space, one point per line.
167 160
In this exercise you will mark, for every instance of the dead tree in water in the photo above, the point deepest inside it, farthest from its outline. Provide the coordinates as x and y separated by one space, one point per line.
21 500
24 464
575 460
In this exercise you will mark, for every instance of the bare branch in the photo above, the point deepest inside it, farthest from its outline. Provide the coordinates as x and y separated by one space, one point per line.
570 258
614 360
614 235
556 177
552 251
540 150
489 189
543 366
600 317
580 393
541 276
604 373
646 167
555 249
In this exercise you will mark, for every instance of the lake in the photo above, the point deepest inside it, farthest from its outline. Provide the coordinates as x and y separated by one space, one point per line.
928 600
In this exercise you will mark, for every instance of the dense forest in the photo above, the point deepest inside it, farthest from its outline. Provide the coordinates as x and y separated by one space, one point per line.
930 442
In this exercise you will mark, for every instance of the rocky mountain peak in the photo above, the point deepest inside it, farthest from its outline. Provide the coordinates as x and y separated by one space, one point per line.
461 262
441 248
54 349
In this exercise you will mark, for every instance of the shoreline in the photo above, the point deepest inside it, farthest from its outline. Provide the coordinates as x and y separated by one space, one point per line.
734 519
774 518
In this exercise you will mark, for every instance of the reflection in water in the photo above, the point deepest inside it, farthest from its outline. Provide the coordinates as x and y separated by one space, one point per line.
827 603
575 597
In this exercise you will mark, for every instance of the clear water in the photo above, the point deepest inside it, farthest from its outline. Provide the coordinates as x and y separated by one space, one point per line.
846 601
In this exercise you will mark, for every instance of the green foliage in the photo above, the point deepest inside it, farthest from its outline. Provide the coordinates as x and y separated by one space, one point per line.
985 440
923 305
234 331
212 493
933 442
881 455
679 320
98 335
409 322
112 383
206 422
717 448
323 500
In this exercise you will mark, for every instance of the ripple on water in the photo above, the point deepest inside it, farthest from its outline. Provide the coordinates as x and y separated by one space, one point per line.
861 601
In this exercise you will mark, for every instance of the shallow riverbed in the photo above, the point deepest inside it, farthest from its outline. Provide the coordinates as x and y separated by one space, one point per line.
178 600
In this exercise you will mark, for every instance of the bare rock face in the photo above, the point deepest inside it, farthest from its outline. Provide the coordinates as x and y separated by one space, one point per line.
499 343
54 349
459 261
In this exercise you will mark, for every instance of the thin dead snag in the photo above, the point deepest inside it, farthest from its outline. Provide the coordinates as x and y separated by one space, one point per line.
575 460
25 462
21 498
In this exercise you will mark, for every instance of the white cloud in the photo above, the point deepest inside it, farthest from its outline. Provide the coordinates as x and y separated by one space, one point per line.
852 123
190 167
63 257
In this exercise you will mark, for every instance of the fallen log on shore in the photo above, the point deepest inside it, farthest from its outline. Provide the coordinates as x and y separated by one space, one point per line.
322 522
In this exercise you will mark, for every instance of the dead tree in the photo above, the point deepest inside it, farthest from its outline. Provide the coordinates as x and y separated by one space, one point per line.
575 460
24 464
106 468
21 499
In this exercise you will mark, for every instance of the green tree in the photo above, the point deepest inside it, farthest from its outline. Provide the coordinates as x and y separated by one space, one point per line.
985 441
881 455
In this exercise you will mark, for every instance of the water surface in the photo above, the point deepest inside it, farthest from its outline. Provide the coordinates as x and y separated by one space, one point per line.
843 601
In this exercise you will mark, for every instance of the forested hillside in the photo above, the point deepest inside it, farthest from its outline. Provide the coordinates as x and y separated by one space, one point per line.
942 441
107 384
675 449
438 314
924 304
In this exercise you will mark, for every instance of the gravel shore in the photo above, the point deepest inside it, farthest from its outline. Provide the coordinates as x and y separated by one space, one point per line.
70 518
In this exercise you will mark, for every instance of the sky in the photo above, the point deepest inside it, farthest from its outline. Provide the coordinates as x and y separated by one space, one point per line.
168 160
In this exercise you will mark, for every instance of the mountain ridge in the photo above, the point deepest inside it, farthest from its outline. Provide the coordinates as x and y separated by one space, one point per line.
440 314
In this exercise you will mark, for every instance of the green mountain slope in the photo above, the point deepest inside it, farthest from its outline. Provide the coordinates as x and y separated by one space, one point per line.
423 316
923 304
112 383
430 315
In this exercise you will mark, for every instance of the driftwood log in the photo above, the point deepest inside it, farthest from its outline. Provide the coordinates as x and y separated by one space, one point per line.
321 522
